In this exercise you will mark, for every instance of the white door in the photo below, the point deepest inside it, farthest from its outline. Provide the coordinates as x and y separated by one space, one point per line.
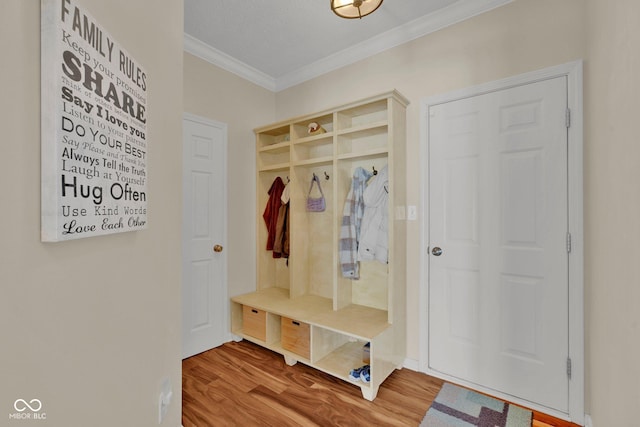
204 287
498 261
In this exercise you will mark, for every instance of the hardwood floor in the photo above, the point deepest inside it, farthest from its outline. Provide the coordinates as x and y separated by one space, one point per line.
245 385
242 384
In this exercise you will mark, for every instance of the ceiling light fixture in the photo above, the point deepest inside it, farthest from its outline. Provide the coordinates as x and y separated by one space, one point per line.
351 9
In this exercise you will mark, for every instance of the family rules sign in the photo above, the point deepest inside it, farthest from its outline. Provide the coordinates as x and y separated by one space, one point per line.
93 130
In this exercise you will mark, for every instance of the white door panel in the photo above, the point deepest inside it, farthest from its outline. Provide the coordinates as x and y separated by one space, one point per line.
204 285
498 299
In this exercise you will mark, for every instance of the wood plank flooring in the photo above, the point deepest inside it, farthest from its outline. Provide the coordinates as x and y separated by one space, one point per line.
242 384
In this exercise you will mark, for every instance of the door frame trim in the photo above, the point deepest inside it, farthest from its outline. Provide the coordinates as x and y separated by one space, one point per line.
224 127
574 73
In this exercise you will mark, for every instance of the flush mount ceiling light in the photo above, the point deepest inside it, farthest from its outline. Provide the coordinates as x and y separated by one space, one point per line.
351 9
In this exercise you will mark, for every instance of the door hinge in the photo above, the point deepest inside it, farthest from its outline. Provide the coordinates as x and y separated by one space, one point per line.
569 367
568 242
567 117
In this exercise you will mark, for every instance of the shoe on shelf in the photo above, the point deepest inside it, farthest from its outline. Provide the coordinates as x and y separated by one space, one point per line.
365 374
356 374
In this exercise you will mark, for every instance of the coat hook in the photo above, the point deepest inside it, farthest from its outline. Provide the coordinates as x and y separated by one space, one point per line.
288 180
326 176
375 172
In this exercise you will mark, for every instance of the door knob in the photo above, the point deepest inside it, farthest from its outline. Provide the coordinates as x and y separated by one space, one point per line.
217 248
436 251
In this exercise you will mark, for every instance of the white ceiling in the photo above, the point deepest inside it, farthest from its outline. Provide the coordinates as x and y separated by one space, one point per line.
280 43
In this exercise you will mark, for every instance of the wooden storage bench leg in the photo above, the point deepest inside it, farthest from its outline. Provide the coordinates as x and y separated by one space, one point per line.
370 392
290 361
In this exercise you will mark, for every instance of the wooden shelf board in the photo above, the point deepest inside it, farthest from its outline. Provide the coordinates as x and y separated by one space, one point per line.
356 320
275 129
277 301
262 298
360 154
314 138
316 161
275 167
365 129
280 147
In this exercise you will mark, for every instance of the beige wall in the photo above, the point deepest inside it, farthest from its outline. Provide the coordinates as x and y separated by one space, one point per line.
612 211
92 326
216 94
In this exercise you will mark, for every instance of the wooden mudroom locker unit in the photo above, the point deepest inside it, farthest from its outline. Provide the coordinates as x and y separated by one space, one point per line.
303 308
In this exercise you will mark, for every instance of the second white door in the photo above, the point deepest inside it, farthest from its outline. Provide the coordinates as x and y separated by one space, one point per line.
498 261
204 287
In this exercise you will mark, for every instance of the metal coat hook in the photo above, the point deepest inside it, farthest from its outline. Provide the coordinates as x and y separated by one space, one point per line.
375 172
326 176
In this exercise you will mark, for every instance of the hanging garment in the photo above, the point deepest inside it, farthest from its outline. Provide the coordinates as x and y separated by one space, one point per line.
286 193
281 241
374 232
350 228
270 214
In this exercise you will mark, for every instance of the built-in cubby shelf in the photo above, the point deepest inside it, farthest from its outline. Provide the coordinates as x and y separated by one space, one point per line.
302 307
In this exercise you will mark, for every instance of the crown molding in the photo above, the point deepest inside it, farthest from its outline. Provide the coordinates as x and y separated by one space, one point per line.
427 24
227 62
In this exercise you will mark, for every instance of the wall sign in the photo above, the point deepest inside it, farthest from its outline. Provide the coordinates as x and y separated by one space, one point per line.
94 128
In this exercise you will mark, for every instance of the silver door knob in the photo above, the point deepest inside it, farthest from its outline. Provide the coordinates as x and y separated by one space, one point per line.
436 251
217 248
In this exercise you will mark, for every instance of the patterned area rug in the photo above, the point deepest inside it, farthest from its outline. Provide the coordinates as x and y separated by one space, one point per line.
458 407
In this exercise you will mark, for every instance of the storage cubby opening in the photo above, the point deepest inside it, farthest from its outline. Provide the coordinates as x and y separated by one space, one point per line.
338 353
258 325
274 159
316 148
363 142
301 128
272 272
274 136
372 289
363 115
313 246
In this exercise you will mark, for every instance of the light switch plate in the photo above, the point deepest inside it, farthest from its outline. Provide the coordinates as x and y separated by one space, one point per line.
164 399
412 212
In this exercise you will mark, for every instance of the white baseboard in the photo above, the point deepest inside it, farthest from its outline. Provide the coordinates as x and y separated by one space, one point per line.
234 338
587 421
412 364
